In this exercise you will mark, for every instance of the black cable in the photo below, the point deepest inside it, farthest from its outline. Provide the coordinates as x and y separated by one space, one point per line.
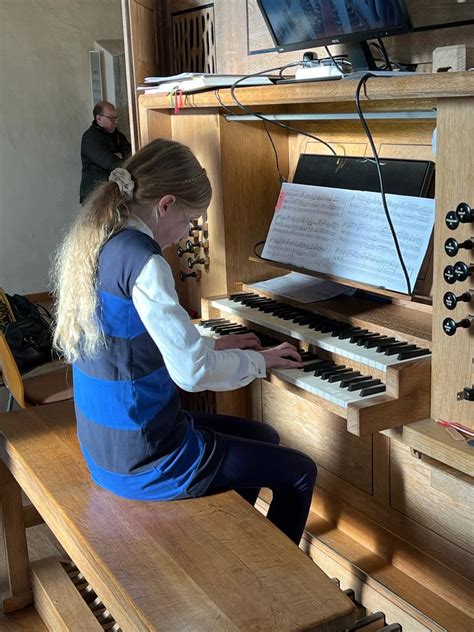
362 83
264 118
388 63
333 59
277 161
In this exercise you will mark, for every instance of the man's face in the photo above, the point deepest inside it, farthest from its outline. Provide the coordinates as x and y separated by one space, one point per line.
108 119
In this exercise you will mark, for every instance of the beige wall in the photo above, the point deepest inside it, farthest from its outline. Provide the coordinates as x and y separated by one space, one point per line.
45 106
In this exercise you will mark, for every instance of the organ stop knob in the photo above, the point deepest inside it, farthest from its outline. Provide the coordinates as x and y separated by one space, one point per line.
450 299
450 326
462 270
452 246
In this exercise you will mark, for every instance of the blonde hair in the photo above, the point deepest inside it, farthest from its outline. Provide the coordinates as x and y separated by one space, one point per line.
160 168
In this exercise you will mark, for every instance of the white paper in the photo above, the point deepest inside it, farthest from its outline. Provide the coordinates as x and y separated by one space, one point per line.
345 233
302 287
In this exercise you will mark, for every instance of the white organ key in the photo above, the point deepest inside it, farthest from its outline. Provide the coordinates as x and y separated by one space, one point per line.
331 392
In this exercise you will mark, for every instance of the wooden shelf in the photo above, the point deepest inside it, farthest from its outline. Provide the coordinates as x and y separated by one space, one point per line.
419 86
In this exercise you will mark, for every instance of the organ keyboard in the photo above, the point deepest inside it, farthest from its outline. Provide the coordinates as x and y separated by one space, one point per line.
371 378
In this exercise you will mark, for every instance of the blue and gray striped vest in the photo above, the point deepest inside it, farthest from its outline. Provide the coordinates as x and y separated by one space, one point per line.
137 441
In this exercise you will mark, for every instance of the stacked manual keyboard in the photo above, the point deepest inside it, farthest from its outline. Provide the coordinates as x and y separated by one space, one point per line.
333 382
373 379
355 343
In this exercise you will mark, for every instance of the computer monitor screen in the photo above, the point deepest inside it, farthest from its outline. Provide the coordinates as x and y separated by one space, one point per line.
299 24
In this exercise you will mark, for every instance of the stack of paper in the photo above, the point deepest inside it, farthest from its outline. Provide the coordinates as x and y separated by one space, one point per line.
192 82
302 287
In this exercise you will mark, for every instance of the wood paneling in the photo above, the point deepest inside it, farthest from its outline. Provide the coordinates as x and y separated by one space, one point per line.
320 434
441 500
453 356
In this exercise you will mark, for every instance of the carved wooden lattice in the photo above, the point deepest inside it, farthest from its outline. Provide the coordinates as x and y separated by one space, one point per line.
194 40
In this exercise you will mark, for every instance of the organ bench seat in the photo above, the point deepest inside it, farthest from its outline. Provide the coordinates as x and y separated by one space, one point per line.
203 564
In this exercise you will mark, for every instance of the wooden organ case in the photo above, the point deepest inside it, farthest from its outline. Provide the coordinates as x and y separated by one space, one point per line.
392 515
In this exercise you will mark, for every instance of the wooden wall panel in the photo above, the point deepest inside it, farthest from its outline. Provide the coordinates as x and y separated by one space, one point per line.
321 435
441 500
455 155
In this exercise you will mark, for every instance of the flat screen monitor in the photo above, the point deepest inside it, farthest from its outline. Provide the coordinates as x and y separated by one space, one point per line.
300 24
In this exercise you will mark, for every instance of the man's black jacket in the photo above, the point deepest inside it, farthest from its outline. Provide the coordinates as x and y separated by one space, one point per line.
98 147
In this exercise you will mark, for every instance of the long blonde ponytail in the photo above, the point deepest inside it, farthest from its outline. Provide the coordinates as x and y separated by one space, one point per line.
161 167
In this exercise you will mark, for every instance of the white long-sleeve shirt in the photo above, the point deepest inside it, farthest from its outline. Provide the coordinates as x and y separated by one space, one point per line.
190 358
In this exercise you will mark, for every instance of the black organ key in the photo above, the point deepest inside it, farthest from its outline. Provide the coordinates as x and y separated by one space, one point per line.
414 353
320 323
344 329
268 303
212 321
334 327
225 328
289 315
235 330
373 390
386 343
348 333
328 372
318 364
253 302
397 347
370 343
303 320
356 376
322 369
220 324
278 309
238 297
355 337
357 386
339 376
307 355
363 339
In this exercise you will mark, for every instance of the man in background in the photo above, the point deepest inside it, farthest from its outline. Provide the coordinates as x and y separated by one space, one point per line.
103 148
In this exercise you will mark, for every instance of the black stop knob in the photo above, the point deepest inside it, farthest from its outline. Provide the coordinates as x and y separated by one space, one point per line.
450 326
467 393
452 246
186 275
450 299
462 271
452 220
464 213
448 274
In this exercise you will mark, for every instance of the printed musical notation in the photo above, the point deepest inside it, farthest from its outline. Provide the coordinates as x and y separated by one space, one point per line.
346 234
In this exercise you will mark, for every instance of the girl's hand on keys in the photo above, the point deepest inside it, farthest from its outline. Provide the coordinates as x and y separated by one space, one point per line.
285 356
238 341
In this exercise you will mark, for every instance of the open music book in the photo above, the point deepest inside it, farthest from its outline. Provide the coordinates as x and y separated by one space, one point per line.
345 234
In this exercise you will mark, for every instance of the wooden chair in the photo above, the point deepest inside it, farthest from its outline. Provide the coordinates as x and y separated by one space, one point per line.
211 563
46 388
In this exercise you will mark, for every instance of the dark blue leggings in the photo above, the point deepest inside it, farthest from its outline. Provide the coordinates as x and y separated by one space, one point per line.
253 459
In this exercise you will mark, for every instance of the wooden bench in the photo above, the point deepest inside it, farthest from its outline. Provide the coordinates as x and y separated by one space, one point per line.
203 564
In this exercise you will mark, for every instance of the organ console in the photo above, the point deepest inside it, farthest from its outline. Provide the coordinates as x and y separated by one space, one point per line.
393 506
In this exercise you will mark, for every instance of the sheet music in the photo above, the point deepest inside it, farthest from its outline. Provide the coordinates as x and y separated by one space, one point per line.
345 233
302 287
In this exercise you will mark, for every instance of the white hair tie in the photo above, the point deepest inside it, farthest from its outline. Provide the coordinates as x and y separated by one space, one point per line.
123 179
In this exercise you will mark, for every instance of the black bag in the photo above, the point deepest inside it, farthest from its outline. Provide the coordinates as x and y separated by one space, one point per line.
29 336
